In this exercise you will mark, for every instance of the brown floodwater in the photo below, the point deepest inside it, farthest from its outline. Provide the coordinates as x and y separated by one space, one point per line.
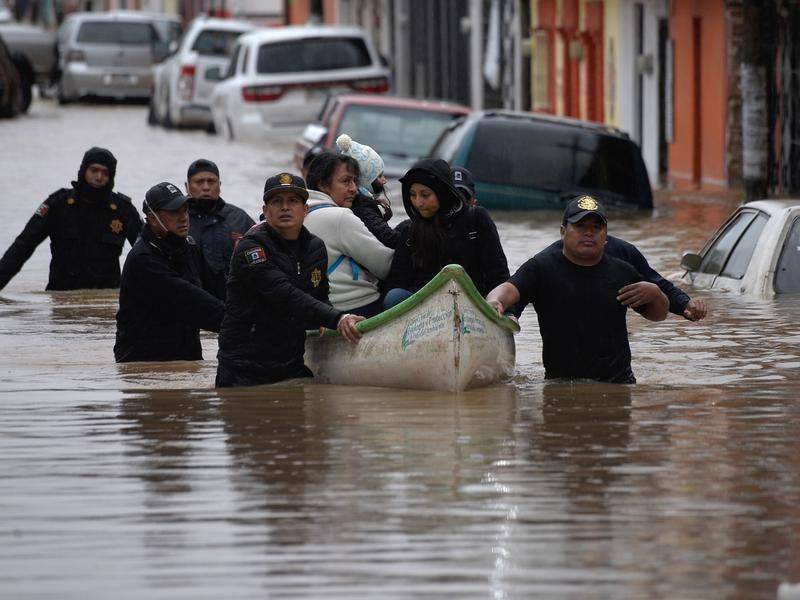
140 480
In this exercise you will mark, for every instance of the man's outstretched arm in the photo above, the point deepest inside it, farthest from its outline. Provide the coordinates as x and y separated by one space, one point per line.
503 297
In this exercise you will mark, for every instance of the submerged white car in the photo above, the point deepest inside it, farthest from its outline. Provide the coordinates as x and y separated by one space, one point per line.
755 252
279 78
182 84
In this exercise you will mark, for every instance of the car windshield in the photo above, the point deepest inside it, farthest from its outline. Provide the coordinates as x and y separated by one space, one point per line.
402 133
552 157
115 32
313 54
215 43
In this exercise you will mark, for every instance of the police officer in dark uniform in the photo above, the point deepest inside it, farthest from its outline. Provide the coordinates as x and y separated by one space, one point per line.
87 225
277 288
167 288
214 224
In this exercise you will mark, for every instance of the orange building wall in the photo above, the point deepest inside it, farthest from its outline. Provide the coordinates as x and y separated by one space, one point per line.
298 11
697 154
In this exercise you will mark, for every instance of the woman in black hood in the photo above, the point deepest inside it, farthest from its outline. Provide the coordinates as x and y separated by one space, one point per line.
442 230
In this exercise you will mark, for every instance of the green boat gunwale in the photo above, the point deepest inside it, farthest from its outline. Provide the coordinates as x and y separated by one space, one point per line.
449 272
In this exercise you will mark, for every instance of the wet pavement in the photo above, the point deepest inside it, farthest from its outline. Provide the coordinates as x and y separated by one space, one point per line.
139 480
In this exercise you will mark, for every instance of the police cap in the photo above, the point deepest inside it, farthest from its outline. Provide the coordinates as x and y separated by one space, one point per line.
582 206
163 196
285 182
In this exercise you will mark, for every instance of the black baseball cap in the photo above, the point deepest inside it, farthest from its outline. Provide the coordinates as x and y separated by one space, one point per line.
285 182
163 196
582 206
463 181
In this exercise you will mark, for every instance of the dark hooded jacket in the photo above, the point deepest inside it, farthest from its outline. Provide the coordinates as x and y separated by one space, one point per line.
87 228
460 234
217 229
366 208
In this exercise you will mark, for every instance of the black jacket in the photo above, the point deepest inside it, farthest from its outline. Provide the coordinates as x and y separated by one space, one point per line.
678 299
366 208
217 232
163 303
471 238
86 240
273 297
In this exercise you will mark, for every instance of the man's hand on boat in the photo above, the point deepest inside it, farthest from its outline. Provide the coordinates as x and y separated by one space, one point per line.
347 327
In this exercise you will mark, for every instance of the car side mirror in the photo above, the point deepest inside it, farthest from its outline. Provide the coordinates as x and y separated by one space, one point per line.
691 262
314 133
384 60
214 74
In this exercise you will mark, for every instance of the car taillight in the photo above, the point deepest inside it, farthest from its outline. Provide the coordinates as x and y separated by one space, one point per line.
262 93
186 82
76 56
375 85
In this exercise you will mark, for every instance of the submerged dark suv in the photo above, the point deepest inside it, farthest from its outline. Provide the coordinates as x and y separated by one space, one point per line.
524 161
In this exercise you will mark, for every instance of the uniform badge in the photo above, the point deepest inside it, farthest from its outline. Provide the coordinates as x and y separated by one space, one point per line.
42 210
286 179
255 256
316 277
71 201
116 226
112 206
587 203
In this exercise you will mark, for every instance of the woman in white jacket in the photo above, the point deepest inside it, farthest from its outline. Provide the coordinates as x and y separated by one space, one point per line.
356 259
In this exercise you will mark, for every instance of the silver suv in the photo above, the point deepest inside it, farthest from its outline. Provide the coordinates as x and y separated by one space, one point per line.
111 53
181 84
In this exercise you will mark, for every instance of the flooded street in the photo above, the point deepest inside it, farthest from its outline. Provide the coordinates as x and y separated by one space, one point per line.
140 480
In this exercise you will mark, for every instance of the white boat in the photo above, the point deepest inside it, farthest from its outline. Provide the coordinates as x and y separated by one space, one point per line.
444 337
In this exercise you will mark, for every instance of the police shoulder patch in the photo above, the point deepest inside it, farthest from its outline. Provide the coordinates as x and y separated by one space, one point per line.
42 210
255 256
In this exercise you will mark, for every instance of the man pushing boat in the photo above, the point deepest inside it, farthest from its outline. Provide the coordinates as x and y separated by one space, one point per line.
277 288
581 297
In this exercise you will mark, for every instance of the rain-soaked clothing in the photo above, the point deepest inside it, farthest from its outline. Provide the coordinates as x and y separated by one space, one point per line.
166 297
276 290
87 227
583 327
216 229
86 239
678 299
366 208
471 238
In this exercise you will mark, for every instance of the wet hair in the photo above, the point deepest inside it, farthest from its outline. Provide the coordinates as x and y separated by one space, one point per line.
324 165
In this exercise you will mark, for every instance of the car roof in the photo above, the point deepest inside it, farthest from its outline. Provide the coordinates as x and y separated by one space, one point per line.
299 32
600 128
773 205
224 24
128 15
401 102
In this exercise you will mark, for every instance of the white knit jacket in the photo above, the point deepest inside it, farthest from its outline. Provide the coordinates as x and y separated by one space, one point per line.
345 234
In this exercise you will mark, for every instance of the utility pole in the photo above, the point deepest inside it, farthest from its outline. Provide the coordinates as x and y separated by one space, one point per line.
753 73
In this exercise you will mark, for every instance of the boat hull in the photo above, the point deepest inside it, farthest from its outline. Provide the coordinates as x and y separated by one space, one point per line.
445 338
